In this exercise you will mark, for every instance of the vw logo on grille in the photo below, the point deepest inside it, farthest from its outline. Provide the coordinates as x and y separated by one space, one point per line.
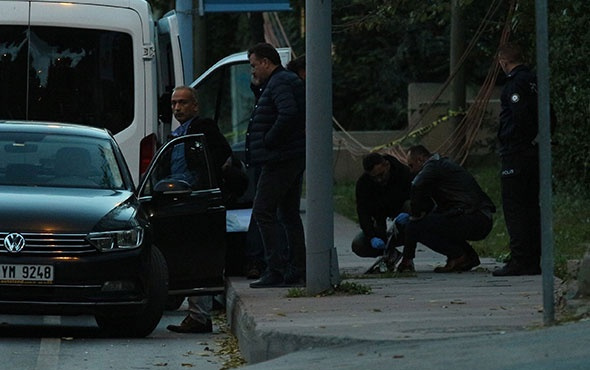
14 242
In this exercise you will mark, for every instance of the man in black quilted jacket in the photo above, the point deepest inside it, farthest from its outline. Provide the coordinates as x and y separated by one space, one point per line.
448 208
275 141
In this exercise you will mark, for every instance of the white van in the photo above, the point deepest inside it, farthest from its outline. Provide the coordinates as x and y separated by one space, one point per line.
107 63
102 63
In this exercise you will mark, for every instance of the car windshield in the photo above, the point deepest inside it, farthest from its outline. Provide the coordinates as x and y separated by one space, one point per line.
32 159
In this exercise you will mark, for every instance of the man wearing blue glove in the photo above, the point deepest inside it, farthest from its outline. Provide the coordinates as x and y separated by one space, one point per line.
381 193
377 243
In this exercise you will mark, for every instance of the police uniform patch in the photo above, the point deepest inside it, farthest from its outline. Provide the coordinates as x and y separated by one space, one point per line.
515 98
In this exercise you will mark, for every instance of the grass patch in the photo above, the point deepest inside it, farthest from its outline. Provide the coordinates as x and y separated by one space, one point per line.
345 288
296 293
345 200
571 214
352 288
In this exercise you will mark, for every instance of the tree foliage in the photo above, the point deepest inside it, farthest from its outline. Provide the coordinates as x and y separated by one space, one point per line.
569 45
380 46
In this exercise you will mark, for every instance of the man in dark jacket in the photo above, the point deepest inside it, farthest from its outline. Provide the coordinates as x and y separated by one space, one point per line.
275 140
520 164
448 207
185 108
382 191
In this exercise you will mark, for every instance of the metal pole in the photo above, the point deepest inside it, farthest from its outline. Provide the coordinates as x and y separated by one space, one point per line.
545 192
322 261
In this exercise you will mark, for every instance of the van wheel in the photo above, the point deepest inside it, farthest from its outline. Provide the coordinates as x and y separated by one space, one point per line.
144 322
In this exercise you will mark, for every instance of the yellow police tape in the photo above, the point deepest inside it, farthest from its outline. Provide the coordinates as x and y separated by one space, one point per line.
410 135
419 132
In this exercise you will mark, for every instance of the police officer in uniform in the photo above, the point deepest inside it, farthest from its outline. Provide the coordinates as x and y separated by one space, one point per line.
520 164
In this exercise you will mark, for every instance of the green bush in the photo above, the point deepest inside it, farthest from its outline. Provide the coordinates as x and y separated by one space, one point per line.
570 88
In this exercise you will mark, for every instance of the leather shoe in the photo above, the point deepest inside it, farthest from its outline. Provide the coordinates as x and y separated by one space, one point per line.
190 325
270 279
455 264
406 265
254 270
513 268
471 261
293 279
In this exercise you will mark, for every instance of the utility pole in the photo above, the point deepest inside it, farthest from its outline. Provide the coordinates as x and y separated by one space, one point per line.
458 102
545 189
322 259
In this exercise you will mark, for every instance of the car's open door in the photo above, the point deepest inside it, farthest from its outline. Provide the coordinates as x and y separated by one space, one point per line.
184 204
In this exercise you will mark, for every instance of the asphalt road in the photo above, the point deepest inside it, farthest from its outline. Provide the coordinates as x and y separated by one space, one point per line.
76 343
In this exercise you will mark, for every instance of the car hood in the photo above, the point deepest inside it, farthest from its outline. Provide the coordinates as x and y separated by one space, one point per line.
61 210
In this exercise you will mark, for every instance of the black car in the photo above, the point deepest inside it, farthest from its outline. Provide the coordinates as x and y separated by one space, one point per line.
76 237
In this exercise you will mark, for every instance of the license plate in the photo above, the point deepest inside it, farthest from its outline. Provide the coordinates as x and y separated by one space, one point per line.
26 274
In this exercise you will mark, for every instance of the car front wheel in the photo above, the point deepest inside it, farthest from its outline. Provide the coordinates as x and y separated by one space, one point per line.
143 323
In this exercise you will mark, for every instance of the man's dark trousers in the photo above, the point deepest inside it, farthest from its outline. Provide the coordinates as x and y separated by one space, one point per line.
447 233
520 202
277 201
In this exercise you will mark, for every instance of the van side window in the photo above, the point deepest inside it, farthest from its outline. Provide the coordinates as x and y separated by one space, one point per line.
86 79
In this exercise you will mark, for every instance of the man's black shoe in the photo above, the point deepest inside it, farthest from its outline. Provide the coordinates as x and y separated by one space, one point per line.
453 265
252 273
254 269
293 279
190 325
299 283
471 262
406 265
269 279
516 269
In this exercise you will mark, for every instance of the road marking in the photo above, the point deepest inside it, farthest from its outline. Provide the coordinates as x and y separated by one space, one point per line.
48 357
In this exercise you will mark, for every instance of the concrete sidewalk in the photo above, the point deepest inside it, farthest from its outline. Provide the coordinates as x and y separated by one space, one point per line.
425 306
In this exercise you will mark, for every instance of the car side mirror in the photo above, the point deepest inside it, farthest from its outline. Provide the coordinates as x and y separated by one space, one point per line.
172 187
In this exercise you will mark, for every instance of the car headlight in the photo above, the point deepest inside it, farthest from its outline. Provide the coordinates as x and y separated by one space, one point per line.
116 240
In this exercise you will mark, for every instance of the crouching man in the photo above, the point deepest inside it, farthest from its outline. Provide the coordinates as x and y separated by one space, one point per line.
448 208
381 192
